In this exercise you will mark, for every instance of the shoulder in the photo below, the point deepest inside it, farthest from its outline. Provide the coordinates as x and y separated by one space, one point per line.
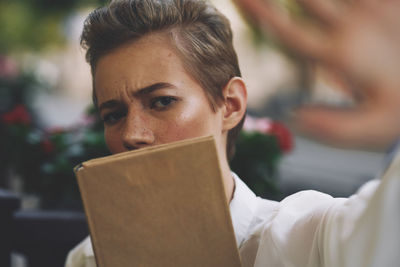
303 223
307 202
293 231
301 213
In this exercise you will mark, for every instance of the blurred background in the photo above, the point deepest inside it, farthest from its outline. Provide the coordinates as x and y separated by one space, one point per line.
48 125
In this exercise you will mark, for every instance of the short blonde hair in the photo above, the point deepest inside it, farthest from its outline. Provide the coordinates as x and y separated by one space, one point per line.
199 32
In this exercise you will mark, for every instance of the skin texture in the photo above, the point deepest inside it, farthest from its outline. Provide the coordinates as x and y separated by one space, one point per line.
145 98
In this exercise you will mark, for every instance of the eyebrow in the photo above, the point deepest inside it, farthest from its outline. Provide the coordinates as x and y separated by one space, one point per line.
143 91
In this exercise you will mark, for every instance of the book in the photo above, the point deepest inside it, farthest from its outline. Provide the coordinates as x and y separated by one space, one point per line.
159 206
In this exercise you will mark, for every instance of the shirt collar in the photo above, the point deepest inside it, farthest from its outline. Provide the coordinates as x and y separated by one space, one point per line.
242 207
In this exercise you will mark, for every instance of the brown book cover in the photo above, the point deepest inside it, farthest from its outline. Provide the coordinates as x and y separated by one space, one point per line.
159 206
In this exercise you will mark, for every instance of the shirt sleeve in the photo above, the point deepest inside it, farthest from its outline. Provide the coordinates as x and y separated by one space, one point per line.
314 229
365 231
290 239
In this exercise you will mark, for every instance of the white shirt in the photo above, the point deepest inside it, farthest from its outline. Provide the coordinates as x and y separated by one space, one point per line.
310 228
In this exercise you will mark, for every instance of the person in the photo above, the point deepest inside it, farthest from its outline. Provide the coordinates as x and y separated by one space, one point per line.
165 71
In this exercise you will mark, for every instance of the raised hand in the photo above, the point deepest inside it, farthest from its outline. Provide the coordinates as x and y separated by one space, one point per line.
360 41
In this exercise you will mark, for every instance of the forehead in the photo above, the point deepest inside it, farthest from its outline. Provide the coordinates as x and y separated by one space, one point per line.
151 59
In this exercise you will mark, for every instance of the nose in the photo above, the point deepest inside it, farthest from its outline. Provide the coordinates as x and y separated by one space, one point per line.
136 132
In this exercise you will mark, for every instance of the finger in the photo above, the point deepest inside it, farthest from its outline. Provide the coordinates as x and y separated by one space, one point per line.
327 12
388 13
357 128
306 41
375 5
333 79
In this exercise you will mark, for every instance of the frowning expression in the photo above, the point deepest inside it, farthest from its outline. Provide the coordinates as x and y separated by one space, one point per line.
146 97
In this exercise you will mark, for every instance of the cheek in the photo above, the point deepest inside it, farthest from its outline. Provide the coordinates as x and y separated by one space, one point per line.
194 122
113 142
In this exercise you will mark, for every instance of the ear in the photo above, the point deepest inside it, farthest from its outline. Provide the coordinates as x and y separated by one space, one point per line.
235 102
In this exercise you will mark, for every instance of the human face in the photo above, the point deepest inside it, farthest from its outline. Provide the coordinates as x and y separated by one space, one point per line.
146 97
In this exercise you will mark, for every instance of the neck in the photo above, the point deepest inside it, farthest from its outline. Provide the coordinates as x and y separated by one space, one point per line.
229 183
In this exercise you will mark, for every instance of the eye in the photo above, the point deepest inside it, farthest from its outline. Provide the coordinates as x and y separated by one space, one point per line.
162 102
113 117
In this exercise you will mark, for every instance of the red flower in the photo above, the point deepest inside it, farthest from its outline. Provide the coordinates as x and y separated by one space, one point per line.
268 126
284 136
18 115
47 146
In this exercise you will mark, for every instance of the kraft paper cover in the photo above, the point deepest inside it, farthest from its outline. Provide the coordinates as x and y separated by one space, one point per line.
159 206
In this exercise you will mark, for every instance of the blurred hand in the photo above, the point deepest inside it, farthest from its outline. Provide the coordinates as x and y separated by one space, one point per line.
360 41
